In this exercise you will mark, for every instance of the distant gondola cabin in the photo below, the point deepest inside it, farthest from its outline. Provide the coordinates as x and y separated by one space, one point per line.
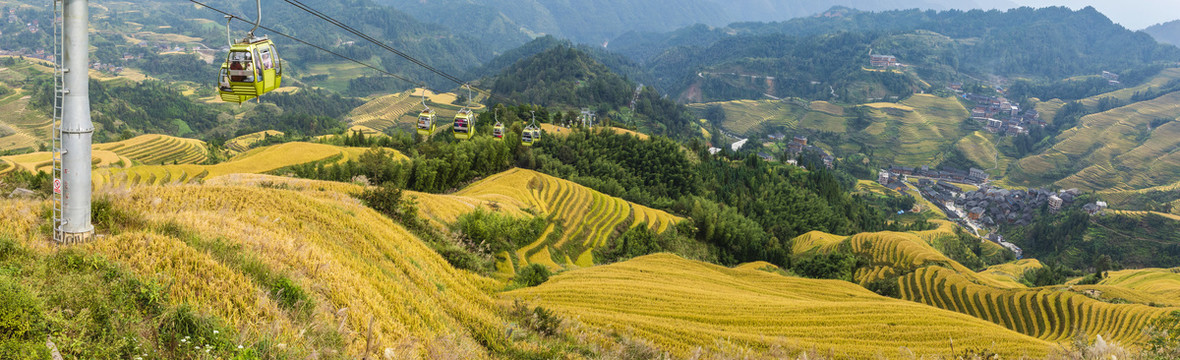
464 127
498 131
251 69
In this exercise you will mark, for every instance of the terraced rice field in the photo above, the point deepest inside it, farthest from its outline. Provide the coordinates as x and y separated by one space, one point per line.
243 143
1164 283
1046 313
979 148
155 149
43 161
680 305
20 126
255 161
743 117
354 263
586 218
383 112
1118 150
1010 273
926 276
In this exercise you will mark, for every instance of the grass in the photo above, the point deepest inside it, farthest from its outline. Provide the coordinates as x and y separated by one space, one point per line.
349 262
681 306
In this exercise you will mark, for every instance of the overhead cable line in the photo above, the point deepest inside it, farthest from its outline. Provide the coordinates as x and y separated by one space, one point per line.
356 32
385 46
380 70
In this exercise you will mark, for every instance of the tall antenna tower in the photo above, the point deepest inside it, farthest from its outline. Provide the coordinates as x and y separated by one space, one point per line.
72 129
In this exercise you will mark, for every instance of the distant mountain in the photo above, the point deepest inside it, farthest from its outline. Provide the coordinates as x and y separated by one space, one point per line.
1046 44
597 21
1168 33
567 77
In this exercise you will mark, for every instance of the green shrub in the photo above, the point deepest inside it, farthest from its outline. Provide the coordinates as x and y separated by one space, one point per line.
180 328
532 275
21 316
885 287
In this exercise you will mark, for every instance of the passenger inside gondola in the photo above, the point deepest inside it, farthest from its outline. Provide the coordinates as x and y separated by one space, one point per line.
241 67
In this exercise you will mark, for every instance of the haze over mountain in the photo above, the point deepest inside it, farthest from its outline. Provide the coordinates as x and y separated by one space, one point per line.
602 20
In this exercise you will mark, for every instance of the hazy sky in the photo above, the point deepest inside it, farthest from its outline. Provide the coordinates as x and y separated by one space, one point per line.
1132 14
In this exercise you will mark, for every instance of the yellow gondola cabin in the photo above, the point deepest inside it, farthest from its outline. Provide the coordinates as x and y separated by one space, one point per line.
251 69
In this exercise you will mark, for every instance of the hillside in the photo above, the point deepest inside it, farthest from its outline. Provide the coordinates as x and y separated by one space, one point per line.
937 46
341 266
260 160
1125 148
916 131
1168 33
924 275
680 305
599 21
568 78
580 219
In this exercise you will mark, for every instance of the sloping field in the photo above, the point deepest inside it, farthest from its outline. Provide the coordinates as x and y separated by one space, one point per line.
155 149
1011 273
1162 282
383 112
926 276
211 243
243 143
586 218
915 131
745 116
1116 148
255 161
681 305
979 148
43 161
20 126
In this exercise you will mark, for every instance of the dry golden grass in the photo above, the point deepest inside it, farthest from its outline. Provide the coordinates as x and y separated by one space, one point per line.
353 262
680 305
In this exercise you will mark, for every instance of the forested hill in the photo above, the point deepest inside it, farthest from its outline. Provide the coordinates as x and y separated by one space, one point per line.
568 78
160 26
1046 44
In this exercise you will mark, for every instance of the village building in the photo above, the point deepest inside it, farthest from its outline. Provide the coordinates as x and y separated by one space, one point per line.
883 60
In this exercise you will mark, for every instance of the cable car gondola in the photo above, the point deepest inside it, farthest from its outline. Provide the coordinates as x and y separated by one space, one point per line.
498 129
425 118
464 125
531 134
251 68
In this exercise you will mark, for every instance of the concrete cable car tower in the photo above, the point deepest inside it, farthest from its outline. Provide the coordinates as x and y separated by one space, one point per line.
72 129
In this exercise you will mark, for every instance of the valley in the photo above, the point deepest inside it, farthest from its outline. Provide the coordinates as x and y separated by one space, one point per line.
835 183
